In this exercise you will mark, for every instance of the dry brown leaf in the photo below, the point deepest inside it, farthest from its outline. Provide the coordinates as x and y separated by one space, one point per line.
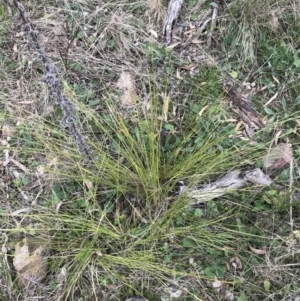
61 276
257 251
189 32
277 136
112 287
26 102
154 33
8 130
58 205
273 21
237 261
189 67
166 108
170 47
20 165
202 110
127 85
263 88
227 266
228 295
278 159
89 184
40 169
17 212
52 162
217 284
196 41
276 79
30 260
156 7
178 74
271 99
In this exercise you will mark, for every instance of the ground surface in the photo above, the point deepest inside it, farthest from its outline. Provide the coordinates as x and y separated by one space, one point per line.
110 225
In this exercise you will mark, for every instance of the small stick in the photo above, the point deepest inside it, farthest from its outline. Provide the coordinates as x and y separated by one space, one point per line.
291 198
213 25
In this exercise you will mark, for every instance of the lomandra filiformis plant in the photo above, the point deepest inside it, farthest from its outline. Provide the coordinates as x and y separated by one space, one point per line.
50 77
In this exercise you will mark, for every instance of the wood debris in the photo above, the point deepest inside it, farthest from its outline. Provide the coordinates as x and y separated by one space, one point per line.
243 106
234 180
277 159
172 14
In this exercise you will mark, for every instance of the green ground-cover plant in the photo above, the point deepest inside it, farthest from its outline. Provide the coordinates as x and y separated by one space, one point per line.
116 223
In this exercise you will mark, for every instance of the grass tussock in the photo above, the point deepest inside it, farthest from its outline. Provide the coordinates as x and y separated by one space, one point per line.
116 223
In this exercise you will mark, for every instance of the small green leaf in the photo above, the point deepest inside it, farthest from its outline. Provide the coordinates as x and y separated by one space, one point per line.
213 4
195 17
169 127
297 63
209 272
198 212
297 100
94 102
191 3
195 108
188 242
271 192
111 43
167 258
267 285
269 111
52 284
234 74
25 180
81 203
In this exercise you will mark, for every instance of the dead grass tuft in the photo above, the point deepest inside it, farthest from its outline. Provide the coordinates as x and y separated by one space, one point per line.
157 10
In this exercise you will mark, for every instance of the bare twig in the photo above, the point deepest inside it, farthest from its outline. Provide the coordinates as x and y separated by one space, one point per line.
50 73
291 196
213 25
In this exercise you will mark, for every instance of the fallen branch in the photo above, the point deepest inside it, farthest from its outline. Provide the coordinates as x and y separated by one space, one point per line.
277 159
234 180
50 73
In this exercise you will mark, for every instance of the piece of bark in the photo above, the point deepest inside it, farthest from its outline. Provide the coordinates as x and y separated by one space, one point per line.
172 14
232 181
257 177
242 104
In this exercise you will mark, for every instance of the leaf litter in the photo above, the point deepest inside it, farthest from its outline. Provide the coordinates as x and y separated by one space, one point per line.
127 86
